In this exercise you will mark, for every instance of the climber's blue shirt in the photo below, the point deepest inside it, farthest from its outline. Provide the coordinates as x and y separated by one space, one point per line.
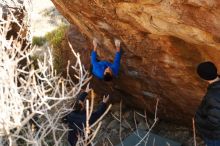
100 66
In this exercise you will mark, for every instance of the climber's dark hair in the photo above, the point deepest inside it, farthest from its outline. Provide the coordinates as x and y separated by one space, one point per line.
108 77
77 106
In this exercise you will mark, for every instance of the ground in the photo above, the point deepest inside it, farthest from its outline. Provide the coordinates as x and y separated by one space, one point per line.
110 130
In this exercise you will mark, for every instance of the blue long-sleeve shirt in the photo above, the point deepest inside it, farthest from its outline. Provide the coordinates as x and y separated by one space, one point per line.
100 66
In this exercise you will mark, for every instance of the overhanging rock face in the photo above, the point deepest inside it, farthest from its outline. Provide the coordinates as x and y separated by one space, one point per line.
163 41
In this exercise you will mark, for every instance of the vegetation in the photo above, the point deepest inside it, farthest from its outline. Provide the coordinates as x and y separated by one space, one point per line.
55 38
38 41
33 100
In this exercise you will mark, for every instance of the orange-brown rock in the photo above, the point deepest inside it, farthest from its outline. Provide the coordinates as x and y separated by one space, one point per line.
163 41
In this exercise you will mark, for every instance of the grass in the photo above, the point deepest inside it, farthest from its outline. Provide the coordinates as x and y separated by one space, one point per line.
38 41
55 38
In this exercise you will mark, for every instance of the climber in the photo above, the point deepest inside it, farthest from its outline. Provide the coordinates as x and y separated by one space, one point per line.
207 117
76 120
104 69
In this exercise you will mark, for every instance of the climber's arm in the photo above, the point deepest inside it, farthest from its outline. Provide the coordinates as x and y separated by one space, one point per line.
116 62
117 59
94 52
93 57
95 44
100 110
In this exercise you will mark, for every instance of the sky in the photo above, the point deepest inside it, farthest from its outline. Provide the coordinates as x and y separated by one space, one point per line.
40 24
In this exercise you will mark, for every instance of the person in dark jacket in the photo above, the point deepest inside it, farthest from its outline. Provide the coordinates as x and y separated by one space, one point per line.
207 117
76 120
104 69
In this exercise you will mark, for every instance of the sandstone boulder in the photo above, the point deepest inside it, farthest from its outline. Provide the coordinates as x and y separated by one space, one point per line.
162 40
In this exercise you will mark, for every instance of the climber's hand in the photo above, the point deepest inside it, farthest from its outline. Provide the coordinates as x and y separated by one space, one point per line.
88 89
105 99
117 44
95 43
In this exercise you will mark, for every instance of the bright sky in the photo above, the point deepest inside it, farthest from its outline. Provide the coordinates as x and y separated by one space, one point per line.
40 24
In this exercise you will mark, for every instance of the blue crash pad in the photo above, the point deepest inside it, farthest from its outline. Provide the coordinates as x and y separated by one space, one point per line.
153 140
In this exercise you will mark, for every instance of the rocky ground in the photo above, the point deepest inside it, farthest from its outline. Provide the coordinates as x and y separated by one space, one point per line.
110 132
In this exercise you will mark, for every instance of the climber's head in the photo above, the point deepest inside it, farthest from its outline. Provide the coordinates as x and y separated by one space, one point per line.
108 74
207 71
79 105
80 101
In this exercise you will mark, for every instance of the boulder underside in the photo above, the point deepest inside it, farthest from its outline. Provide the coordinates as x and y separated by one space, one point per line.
163 41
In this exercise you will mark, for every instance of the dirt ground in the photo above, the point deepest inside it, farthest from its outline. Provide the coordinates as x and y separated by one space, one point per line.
109 134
